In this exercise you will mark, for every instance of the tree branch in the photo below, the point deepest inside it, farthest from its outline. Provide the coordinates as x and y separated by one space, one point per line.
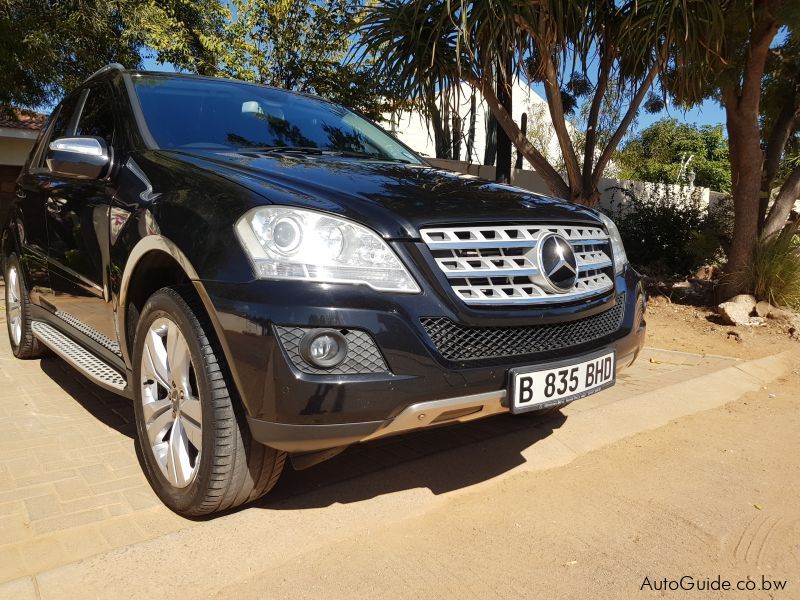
594 115
554 103
630 114
787 196
781 130
545 170
764 30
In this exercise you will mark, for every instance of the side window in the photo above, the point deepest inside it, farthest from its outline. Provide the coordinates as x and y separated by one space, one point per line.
97 116
59 125
63 126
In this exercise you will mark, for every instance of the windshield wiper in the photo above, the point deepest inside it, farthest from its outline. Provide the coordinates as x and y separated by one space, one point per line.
367 155
283 149
320 151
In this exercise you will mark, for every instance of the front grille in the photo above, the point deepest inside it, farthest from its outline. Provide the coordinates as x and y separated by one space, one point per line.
457 342
497 265
362 357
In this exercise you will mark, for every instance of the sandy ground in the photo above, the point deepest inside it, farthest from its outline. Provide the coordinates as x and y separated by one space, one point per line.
699 329
713 496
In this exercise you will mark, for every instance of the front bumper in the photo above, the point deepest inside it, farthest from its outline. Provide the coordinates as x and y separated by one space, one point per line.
302 412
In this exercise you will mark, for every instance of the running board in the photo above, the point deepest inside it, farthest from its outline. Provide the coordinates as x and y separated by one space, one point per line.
85 362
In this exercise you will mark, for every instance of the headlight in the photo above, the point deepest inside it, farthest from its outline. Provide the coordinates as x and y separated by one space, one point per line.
293 243
617 247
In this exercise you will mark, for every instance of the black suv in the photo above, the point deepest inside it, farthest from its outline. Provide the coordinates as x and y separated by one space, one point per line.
265 274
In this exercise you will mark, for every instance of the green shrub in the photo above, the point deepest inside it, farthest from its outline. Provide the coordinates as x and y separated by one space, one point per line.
775 274
666 233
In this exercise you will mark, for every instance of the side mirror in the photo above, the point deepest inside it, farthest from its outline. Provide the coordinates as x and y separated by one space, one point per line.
82 157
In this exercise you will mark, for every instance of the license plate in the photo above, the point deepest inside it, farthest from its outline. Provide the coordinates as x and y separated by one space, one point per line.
535 388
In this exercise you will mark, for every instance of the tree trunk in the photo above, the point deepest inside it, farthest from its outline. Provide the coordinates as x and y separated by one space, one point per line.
440 141
747 161
447 138
471 134
490 151
457 135
523 125
742 103
503 171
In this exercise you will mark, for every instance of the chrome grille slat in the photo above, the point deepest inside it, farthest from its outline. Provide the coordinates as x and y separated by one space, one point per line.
493 265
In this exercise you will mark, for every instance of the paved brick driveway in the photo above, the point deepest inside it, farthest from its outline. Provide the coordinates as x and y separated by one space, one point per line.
71 485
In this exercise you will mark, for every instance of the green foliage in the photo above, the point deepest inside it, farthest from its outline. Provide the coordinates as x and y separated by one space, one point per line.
666 232
655 154
301 45
49 47
775 275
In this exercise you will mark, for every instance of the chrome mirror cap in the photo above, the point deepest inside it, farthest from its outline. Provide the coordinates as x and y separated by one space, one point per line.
83 157
87 146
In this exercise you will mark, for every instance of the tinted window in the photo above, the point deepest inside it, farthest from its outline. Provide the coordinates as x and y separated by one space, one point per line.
97 117
184 113
63 124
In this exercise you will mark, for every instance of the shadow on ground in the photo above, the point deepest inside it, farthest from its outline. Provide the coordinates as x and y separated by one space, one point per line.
369 467
371 464
107 407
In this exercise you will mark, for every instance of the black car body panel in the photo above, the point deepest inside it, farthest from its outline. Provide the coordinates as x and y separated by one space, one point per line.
86 247
395 200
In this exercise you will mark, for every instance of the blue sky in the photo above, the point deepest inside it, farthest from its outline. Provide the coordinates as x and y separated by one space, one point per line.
708 113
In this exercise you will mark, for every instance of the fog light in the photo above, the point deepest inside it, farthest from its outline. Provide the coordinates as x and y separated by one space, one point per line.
323 348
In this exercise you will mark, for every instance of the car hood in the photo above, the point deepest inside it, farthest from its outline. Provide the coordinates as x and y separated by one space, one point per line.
395 199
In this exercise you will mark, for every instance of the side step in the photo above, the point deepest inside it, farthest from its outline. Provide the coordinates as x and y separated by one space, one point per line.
84 361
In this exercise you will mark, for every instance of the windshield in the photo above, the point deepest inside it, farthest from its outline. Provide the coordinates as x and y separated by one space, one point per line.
186 113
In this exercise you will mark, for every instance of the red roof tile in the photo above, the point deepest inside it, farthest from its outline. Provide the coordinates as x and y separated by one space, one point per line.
25 119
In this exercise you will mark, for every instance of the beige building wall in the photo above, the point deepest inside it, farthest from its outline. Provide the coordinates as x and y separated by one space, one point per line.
14 150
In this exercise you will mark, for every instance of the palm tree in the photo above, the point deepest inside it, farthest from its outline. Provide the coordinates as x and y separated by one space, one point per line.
577 50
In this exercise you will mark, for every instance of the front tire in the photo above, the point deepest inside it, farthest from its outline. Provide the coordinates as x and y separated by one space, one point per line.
18 313
198 452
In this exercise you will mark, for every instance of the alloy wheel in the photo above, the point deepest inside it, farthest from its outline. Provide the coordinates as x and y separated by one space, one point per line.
171 403
14 305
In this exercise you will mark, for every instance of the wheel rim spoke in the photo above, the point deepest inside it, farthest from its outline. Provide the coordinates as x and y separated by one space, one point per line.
171 407
14 306
178 464
156 356
13 285
192 409
178 358
159 419
193 431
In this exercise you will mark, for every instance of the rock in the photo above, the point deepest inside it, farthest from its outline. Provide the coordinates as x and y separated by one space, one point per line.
763 309
735 313
693 291
707 273
782 315
745 300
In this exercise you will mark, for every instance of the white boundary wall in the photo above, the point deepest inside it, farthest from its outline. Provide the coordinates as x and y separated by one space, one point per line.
610 195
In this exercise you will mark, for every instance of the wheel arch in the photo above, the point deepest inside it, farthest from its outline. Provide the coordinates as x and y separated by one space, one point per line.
156 262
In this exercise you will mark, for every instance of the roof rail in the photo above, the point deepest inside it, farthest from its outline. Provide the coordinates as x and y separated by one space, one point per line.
101 70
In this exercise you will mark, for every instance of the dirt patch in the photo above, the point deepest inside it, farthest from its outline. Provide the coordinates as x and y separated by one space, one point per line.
699 329
715 494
